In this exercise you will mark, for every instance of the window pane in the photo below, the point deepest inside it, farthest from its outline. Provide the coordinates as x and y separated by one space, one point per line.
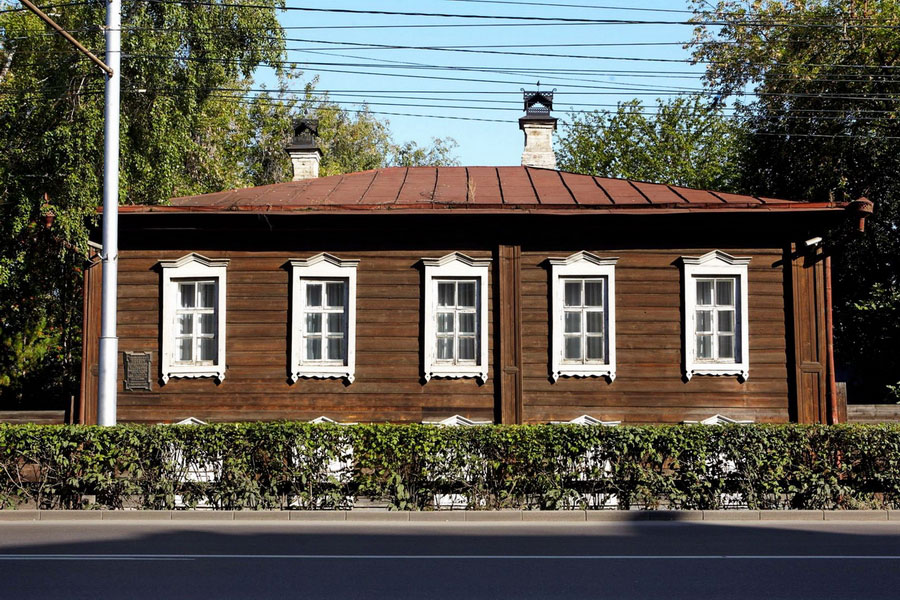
595 322
726 346
704 321
334 294
208 348
335 348
185 324
313 348
446 293
467 323
467 294
184 349
726 321
595 348
572 348
704 291
573 322
573 293
335 322
704 346
207 323
445 322
186 295
314 323
207 295
593 293
725 292
314 294
467 348
445 348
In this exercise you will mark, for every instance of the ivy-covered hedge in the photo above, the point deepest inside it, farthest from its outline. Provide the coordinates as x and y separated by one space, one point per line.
417 467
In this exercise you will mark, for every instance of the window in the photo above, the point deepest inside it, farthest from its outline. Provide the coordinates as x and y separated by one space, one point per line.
583 288
715 313
323 317
193 336
456 317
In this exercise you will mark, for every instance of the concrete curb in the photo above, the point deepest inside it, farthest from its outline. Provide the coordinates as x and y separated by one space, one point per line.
457 516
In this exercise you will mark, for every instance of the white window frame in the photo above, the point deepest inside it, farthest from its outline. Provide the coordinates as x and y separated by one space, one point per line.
191 267
322 266
455 266
716 264
582 265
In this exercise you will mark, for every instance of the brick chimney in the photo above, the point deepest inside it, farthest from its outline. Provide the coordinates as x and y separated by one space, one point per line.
304 150
538 126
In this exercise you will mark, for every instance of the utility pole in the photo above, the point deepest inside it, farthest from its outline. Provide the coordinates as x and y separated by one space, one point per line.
109 342
106 404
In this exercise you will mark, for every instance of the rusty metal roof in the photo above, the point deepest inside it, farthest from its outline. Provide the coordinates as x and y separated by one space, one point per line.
472 189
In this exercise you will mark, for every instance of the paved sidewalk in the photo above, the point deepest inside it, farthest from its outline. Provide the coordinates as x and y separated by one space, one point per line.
449 515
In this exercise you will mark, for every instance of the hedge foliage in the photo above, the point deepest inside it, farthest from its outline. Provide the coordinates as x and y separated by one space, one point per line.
419 467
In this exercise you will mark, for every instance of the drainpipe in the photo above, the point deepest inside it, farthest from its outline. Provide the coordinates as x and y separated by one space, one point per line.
833 416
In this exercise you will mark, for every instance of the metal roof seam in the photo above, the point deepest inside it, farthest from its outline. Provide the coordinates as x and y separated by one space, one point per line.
566 185
369 187
537 196
645 196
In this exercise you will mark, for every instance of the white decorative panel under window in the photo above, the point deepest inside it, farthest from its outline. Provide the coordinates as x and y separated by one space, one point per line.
715 313
323 317
456 317
193 327
583 289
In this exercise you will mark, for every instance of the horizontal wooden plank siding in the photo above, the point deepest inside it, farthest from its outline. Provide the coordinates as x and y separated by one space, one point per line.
650 387
388 385
873 413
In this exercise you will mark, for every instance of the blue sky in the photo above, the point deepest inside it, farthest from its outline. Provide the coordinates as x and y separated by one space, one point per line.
483 89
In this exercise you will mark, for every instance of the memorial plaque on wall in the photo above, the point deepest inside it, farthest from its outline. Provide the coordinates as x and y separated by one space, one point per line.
137 371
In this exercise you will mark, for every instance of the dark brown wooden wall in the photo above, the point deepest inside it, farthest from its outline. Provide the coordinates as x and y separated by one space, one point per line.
649 387
388 385
785 313
90 350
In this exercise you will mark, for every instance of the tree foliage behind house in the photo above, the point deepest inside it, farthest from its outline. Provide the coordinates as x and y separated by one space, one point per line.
825 123
684 141
189 125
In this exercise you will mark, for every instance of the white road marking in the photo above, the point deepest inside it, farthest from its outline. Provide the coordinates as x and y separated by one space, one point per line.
154 557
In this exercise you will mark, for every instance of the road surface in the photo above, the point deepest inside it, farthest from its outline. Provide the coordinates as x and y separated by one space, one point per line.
193 559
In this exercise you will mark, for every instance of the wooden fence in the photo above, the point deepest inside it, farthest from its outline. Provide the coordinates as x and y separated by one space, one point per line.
40 417
873 413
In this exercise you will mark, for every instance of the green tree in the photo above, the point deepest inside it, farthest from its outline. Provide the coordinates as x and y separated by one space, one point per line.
815 83
685 142
189 125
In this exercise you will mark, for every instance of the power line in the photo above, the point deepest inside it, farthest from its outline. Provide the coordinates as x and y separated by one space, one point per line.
44 8
588 6
692 23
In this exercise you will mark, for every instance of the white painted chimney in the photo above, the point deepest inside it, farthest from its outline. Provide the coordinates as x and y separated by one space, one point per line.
538 126
304 150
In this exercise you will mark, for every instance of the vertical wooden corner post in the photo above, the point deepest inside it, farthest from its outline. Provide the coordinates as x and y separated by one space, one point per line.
509 282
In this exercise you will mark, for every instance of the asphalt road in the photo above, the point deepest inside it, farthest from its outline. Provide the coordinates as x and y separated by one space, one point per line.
449 560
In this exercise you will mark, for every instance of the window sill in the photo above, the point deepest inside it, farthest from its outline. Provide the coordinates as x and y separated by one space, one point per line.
194 373
741 370
323 372
456 372
585 371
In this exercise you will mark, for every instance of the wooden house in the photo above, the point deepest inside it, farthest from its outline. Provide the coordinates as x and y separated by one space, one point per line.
503 294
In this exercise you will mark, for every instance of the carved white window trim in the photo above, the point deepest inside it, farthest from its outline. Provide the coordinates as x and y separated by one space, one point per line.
322 266
191 266
586 265
716 264
452 266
